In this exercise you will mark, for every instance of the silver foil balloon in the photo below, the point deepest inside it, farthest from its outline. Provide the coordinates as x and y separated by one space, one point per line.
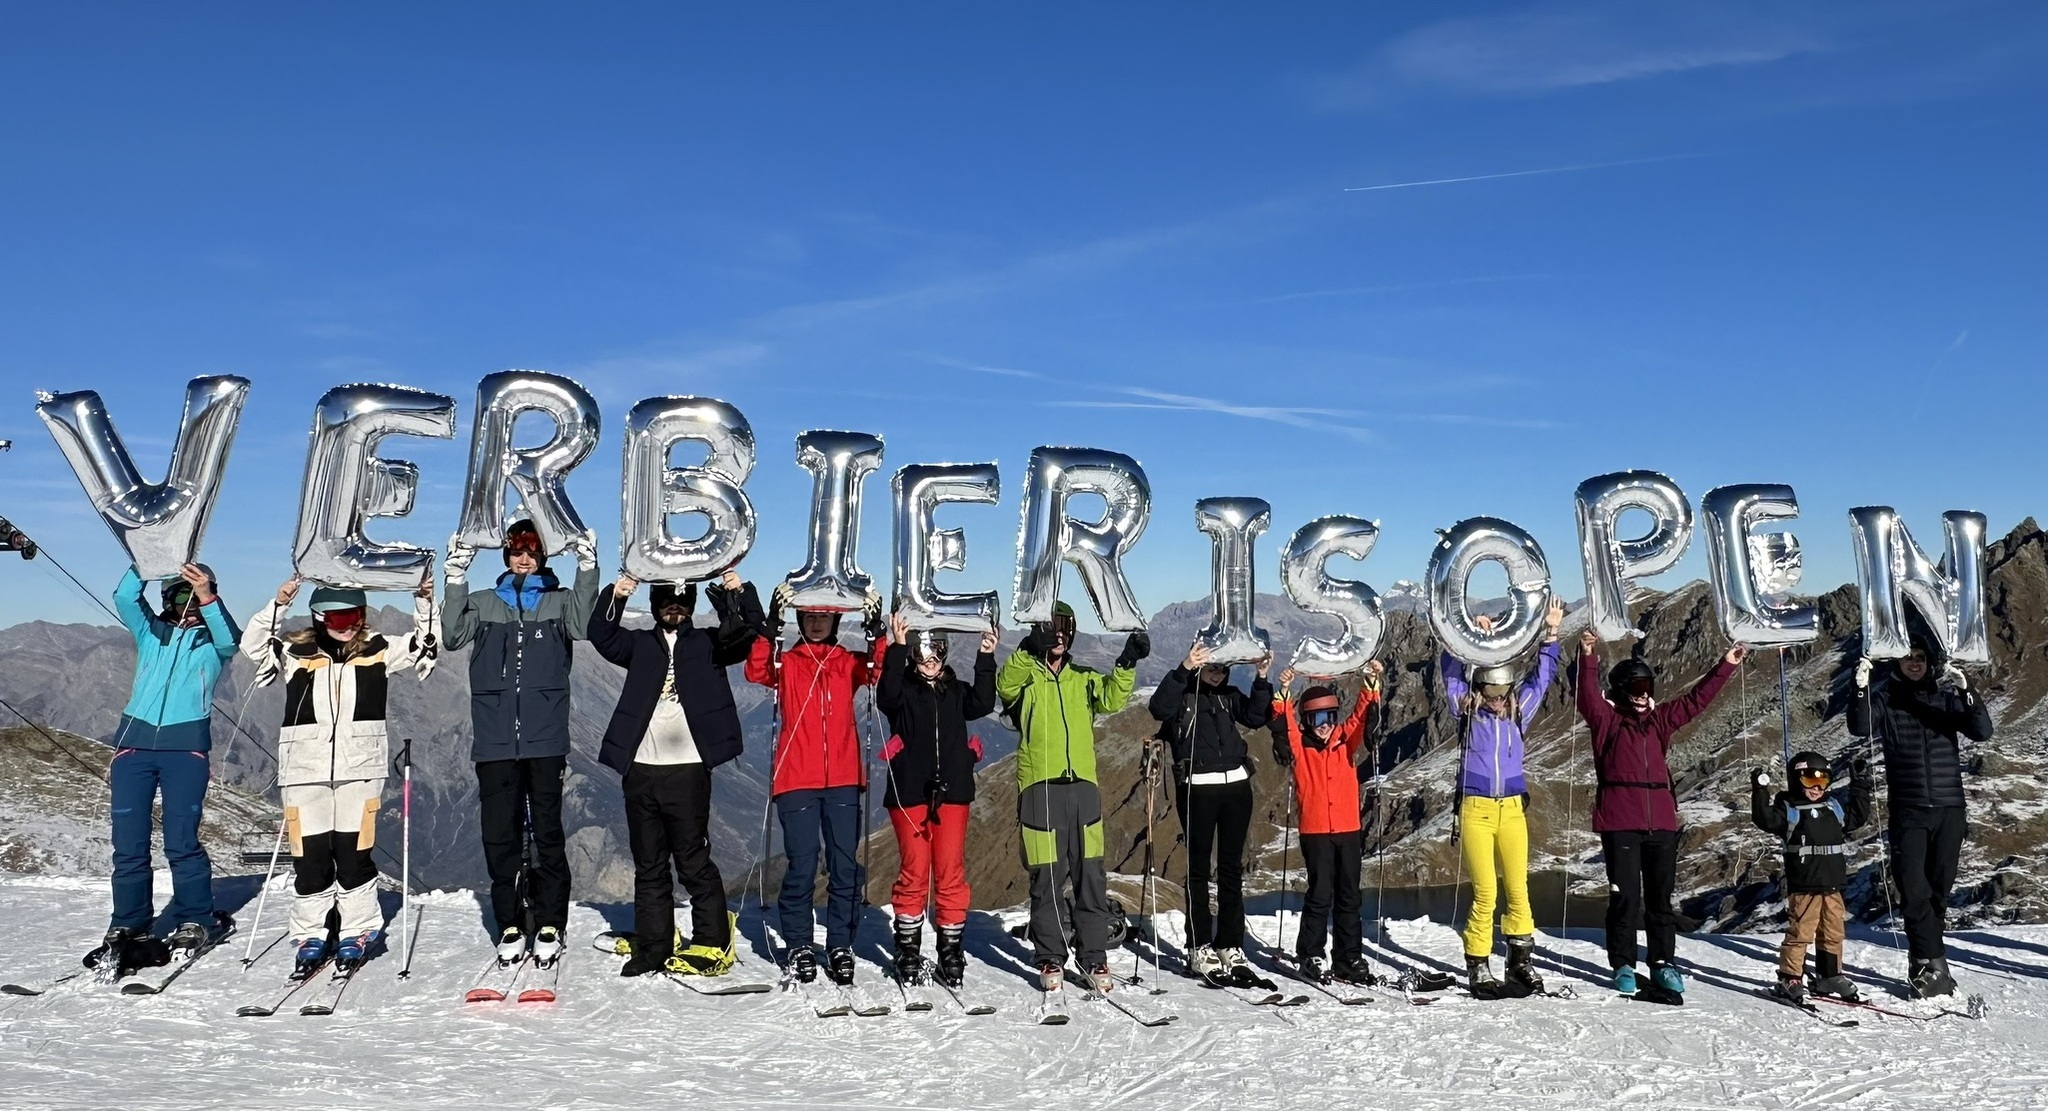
160 524
537 473
1612 562
1891 571
839 462
1305 576
1752 575
1233 635
922 549
650 549
347 484
1048 534
1459 551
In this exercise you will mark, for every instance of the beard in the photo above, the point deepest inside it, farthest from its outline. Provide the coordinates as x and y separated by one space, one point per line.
671 619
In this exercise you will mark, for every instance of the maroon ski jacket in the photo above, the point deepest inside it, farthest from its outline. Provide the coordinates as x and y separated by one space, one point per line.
1635 790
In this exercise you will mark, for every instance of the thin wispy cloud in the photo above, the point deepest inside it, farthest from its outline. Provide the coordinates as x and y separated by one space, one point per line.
1372 290
1311 418
1521 173
980 368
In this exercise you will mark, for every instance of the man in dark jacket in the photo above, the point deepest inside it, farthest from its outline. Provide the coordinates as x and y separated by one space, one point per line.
675 722
1917 718
519 633
1199 714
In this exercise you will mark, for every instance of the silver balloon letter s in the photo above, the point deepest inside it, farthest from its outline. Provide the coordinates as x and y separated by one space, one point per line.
840 463
654 490
1304 574
347 484
1048 534
536 472
1752 574
159 523
1233 635
1891 570
1611 562
922 549
1462 549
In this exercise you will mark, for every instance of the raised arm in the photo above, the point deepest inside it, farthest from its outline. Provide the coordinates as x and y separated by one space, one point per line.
889 684
1763 808
1537 685
1694 702
981 697
739 622
128 604
602 628
260 641
1455 686
1593 705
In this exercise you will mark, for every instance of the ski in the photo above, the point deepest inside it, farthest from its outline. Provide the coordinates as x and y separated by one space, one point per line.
964 1005
536 984
1052 1008
38 989
818 1005
153 983
294 987
495 981
1348 1000
916 994
861 1004
1089 993
717 985
329 996
1975 1005
1809 1008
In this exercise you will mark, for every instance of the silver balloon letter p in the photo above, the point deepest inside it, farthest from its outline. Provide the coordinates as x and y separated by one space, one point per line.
1233 635
347 484
1891 570
1048 534
1612 562
922 549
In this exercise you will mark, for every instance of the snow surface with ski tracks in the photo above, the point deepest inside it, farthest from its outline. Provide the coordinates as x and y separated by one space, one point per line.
612 1042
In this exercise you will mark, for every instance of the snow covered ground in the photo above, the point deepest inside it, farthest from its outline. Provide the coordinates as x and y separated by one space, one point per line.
611 1042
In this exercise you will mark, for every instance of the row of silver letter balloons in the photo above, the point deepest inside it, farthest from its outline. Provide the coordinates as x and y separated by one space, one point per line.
347 483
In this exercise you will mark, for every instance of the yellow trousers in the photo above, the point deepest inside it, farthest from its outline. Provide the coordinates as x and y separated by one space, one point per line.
1495 835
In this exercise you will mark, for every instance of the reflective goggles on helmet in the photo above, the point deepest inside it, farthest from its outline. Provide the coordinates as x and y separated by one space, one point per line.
1316 719
1643 685
1496 690
341 620
528 542
1061 625
1815 777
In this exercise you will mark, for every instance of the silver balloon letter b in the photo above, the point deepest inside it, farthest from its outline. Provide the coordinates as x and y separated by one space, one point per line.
1891 570
922 549
1048 534
347 484
536 472
1752 575
654 490
159 523
1612 562
1233 635
1462 549
840 463
1304 574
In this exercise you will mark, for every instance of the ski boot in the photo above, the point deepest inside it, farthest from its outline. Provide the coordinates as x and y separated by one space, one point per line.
112 952
547 946
511 947
803 964
312 954
1520 971
644 960
952 956
1354 971
1102 979
1625 979
1790 990
189 937
1479 978
354 950
1050 977
1312 969
1240 970
1828 979
839 966
1930 978
910 950
1205 965
1666 976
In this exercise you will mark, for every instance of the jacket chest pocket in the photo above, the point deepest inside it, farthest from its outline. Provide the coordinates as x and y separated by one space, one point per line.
543 655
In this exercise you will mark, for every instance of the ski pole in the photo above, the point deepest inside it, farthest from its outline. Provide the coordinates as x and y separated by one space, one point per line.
248 954
1286 873
1785 703
405 859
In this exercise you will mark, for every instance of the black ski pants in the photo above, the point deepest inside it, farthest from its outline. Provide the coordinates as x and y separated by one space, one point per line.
668 825
507 790
1333 860
1926 843
1216 819
1642 869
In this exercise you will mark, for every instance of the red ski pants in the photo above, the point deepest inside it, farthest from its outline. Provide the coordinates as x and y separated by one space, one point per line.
933 859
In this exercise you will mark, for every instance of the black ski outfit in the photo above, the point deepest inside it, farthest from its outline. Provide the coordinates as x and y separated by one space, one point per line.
1212 775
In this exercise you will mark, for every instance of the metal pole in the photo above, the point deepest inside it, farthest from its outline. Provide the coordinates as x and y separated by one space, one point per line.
405 859
1785 702
248 954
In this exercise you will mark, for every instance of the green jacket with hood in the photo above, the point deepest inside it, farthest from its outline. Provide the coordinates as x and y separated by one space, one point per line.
1055 712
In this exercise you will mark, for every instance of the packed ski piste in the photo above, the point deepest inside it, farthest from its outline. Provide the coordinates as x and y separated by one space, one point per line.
517 995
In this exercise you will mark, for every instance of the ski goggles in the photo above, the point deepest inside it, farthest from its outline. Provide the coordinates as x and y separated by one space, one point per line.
1639 686
341 620
1060 625
1315 717
1496 690
1815 777
178 597
528 542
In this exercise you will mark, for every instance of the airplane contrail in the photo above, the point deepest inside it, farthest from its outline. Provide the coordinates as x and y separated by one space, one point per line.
1519 173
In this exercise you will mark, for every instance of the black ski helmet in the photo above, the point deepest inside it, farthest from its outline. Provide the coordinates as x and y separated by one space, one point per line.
1807 759
661 594
524 536
1629 673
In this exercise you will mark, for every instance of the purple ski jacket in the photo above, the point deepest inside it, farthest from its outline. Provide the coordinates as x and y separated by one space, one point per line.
1492 766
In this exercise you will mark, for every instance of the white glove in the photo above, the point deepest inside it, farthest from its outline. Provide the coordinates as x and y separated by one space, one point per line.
1952 679
456 566
1863 667
584 544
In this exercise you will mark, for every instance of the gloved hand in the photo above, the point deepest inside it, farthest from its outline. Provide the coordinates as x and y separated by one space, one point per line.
584 544
1454 829
1763 778
1283 754
871 621
974 746
1137 646
1859 769
1863 667
890 750
1952 679
460 556
778 600
1250 766
1035 642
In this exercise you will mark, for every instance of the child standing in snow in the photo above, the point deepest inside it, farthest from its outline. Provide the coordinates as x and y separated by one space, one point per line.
1324 753
1815 826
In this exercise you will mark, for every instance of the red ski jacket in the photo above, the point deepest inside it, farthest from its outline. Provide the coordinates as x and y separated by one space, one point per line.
819 745
1326 779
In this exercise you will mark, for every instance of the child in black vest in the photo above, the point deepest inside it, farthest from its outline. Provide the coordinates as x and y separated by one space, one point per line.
1816 826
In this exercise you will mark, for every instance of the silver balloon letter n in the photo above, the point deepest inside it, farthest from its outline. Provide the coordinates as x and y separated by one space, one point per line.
1233 635
655 491
536 472
923 549
347 484
839 462
1891 570
1048 534
159 523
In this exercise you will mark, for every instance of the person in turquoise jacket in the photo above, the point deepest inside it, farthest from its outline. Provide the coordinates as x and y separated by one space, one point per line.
162 746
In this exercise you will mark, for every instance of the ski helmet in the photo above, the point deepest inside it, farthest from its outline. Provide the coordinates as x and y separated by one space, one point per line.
1805 764
1632 676
523 536
1497 681
660 595
928 644
1318 705
831 634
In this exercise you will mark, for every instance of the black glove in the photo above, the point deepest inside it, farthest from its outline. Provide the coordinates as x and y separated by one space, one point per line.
1037 642
1859 769
1761 778
872 626
771 625
1137 646
1283 753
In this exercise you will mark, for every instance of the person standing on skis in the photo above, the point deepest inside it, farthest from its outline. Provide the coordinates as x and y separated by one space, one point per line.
161 746
1815 826
1920 711
1054 702
1323 748
931 757
1635 809
520 632
1199 714
1493 710
819 780
675 721
332 755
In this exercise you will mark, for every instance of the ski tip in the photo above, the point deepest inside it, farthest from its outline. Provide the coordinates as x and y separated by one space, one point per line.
137 989
17 989
316 1011
484 995
1053 1020
536 995
254 1012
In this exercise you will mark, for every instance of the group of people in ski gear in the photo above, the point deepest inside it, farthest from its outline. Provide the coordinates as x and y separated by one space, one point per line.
676 721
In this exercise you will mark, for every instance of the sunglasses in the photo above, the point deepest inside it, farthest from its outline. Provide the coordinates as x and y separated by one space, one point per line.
1815 777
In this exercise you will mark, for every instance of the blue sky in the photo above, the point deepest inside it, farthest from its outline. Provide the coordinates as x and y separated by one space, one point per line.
1413 263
